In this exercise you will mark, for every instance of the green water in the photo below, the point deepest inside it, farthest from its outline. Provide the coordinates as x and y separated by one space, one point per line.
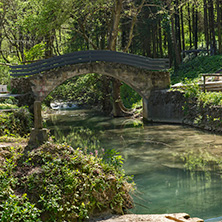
153 154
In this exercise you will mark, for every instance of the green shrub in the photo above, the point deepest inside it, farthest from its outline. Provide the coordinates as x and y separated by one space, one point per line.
16 209
62 184
71 185
13 208
17 122
190 89
210 98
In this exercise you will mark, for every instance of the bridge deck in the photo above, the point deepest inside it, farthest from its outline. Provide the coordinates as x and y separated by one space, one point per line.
88 57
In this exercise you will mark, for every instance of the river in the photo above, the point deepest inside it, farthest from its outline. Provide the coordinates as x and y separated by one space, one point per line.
175 168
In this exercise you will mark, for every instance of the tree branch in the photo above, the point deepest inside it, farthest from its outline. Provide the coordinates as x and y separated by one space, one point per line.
117 9
83 33
132 26
5 64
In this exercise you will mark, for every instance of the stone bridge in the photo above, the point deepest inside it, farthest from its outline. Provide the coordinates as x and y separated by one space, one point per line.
136 71
141 80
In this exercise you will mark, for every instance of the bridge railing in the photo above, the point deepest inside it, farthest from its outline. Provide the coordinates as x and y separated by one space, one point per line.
87 57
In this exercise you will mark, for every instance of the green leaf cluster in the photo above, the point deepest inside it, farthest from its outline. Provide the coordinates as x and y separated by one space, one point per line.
16 209
13 207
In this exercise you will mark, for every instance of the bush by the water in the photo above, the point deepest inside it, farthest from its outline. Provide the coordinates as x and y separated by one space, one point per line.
58 183
16 122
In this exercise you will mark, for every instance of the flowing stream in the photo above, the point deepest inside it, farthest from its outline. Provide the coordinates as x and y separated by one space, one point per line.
176 169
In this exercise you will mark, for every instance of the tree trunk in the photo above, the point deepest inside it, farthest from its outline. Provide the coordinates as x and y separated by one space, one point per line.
219 3
147 43
169 42
195 21
138 10
177 26
118 107
175 47
21 45
154 40
206 32
160 39
189 24
182 29
106 91
117 103
49 38
117 9
212 31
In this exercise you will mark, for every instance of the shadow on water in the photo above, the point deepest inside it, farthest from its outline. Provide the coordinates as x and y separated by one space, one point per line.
176 168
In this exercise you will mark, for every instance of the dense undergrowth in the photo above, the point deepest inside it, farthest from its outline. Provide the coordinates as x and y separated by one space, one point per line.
16 122
88 90
54 181
58 183
192 90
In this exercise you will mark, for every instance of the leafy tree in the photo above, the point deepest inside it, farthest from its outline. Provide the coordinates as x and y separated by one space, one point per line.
31 30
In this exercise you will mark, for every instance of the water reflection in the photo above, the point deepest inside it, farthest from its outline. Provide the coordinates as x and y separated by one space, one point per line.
176 169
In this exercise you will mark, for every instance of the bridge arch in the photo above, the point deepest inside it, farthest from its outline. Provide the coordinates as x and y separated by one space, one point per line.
141 80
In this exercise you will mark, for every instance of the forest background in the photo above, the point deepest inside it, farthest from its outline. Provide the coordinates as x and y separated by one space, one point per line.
31 30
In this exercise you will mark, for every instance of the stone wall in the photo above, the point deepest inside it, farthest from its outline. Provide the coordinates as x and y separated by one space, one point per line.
165 106
203 117
172 107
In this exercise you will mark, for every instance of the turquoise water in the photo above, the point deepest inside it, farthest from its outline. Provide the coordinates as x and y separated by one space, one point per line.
154 155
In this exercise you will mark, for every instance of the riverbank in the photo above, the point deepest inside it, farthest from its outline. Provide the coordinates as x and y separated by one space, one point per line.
174 106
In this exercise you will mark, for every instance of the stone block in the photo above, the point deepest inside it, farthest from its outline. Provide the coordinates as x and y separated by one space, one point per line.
38 136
